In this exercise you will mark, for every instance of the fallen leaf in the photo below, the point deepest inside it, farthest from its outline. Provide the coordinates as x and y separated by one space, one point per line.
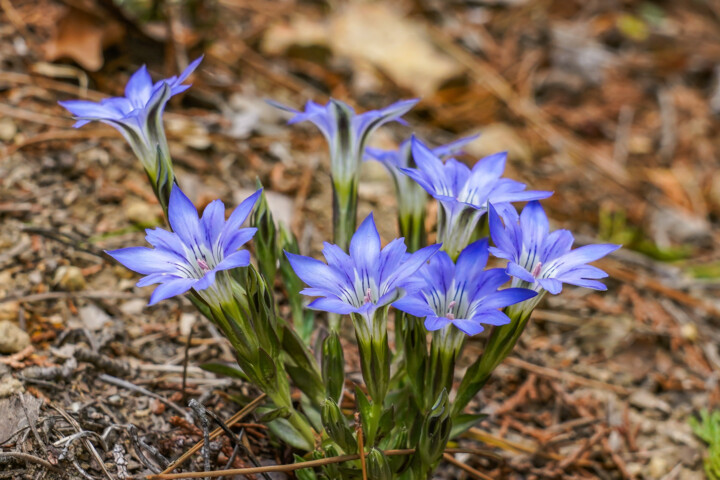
82 37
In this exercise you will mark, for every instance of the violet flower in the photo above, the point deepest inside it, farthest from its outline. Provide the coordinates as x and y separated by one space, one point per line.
347 134
195 252
463 293
365 280
411 197
465 194
138 117
540 259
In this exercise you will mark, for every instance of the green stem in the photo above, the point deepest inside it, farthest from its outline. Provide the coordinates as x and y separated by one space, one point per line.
412 227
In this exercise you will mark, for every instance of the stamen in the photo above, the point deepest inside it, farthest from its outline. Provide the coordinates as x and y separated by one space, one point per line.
368 296
536 270
203 264
450 315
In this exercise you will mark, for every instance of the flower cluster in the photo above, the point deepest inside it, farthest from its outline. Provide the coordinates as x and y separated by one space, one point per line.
439 294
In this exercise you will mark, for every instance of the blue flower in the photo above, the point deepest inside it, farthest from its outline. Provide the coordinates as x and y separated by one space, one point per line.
137 115
347 132
465 193
366 279
541 259
411 197
196 250
462 293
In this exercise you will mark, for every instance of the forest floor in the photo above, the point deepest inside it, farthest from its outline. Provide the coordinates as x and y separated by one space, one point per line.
615 109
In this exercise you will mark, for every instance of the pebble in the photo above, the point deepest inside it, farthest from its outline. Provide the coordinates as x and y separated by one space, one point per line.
141 214
8 129
69 278
133 307
93 317
9 386
12 338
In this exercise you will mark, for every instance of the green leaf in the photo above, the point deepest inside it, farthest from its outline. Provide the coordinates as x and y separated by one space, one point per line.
225 370
464 422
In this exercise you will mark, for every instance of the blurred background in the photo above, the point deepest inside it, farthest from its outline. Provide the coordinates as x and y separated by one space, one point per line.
613 105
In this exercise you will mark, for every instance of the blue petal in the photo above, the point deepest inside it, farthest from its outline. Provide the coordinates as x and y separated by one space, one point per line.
470 327
156 278
491 166
316 274
411 265
517 271
509 296
206 281
487 282
432 167
556 244
171 289
491 317
332 305
146 260
183 218
472 260
365 246
552 285
237 218
237 259
436 323
391 257
507 246
583 255
414 305
139 88
213 219
84 108
165 240
237 239
581 282
535 227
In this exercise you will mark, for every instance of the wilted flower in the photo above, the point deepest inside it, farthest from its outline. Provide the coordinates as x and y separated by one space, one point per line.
137 115
192 255
366 279
463 294
412 198
541 259
465 193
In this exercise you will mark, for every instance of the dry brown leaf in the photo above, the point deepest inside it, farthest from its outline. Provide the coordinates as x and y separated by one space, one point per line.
82 37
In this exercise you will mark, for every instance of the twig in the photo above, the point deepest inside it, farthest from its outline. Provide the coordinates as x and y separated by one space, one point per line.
565 376
186 359
216 433
200 412
89 446
467 468
26 457
276 468
31 423
95 294
131 386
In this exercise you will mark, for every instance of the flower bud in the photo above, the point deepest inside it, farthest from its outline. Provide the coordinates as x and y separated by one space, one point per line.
333 366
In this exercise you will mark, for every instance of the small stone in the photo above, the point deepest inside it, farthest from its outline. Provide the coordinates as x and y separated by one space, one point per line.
69 278
133 307
8 129
689 332
657 467
93 317
12 338
9 386
142 214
